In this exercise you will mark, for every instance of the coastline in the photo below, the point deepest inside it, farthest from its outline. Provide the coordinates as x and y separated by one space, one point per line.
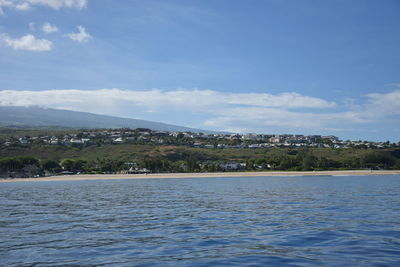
80 177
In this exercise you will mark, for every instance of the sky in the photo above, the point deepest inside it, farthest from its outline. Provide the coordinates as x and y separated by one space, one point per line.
247 66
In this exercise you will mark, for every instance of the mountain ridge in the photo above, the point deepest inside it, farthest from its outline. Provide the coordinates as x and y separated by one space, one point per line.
34 116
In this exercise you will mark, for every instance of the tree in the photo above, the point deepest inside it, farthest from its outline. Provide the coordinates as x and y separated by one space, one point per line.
109 165
286 163
68 164
378 160
308 162
28 160
49 165
192 164
8 164
79 164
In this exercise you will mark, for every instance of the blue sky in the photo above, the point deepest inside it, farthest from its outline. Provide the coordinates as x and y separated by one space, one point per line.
298 66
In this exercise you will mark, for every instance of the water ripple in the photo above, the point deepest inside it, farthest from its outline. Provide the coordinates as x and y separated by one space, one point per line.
260 221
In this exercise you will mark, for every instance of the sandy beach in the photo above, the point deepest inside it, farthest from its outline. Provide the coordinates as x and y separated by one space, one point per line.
201 175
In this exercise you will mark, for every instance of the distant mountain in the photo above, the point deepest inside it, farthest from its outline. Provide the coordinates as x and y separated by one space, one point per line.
11 116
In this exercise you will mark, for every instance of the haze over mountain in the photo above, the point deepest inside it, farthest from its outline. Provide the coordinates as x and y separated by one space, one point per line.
12 116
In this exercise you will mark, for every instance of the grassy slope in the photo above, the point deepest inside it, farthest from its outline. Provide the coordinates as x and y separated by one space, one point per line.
132 152
37 131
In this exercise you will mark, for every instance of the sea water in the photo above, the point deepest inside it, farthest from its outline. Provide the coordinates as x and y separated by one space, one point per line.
244 221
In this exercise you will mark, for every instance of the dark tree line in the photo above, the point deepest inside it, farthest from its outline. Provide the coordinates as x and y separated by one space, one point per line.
302 160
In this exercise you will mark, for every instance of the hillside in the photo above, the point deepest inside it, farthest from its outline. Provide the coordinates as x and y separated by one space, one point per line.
11 116
28 153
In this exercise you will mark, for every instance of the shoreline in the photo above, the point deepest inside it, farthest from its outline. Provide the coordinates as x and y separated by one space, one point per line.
80 177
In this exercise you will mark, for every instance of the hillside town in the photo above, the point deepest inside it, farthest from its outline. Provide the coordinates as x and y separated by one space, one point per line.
198 140
141 150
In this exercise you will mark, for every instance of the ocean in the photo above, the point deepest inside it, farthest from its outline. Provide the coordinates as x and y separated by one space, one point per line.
240 221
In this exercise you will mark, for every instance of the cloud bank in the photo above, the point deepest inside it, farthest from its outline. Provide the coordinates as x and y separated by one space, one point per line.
81 37
27 42
54 4
156 99
237 112
48 28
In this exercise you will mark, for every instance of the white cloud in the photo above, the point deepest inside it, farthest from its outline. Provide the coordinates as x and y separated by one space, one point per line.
22 6
54 4
31 26
291 100
196 100
27 42
57 4
259 119
376 108
81 37
48 28
238 112
5 3
387 103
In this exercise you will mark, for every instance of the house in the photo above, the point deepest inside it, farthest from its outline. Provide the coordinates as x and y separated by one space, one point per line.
118 140
23 141
314 138
232 166
276 139
197 144
254 146
66 142
133 169
252 136
53 140
331 138
76 141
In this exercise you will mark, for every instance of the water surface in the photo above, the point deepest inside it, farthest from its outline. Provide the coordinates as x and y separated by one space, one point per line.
249 221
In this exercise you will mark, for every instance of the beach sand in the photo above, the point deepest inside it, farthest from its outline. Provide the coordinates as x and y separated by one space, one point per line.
201 175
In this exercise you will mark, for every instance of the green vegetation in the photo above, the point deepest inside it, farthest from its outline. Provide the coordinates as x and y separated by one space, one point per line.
145 153
114 158
22 166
